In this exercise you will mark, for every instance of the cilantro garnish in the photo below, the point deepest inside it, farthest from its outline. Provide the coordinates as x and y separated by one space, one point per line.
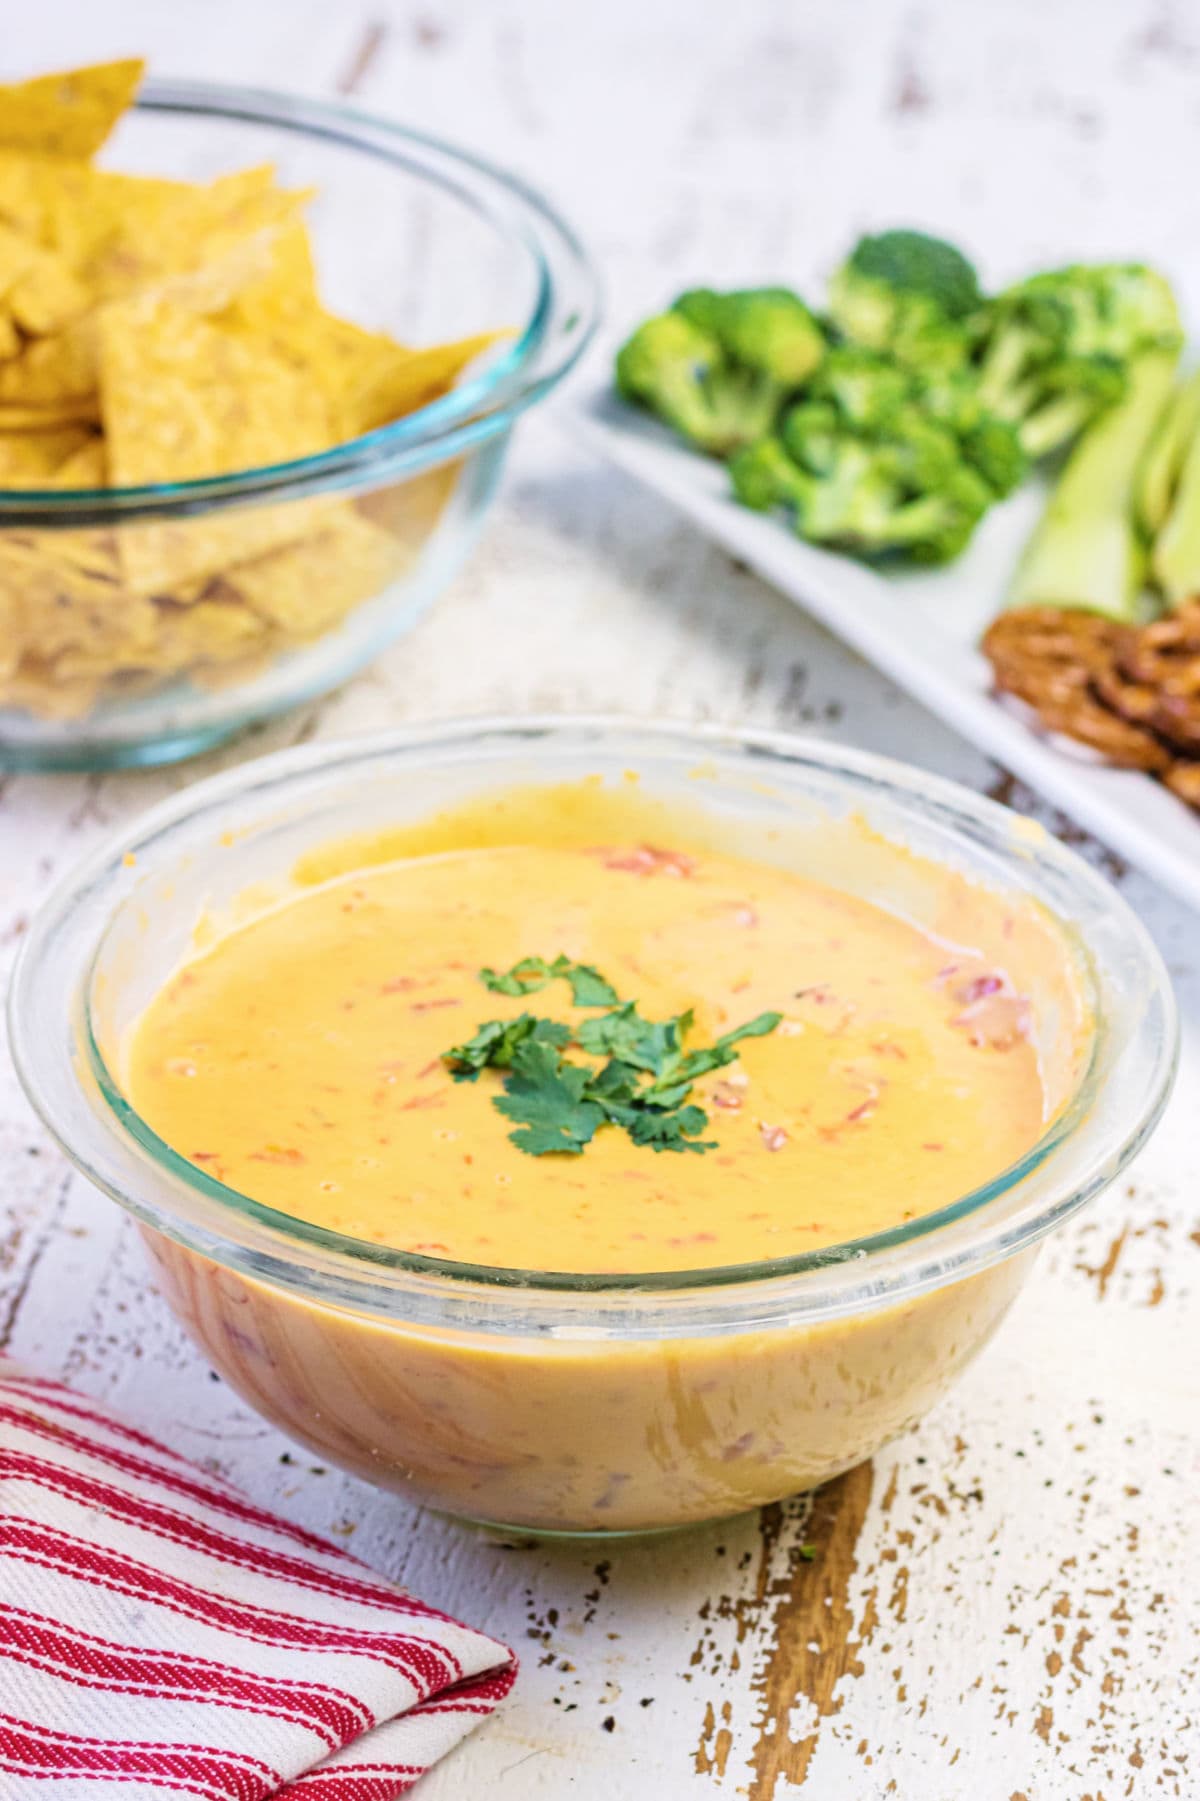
495 1044
643 1086
588 987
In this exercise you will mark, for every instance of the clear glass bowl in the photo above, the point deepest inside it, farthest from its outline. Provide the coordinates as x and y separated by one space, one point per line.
411 236
539 1400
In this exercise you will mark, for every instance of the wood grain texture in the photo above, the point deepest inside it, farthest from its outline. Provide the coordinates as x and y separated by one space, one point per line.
1007 1605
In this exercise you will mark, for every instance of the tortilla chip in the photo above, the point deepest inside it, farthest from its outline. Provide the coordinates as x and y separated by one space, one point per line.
163 234
181 399
307 587
19 253
86 468
34 459
57 371
68 114
16 417
386 387
212 630
24 184
47 297
10 338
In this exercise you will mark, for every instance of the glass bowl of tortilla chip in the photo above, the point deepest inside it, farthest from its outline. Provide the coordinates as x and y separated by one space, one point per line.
227 478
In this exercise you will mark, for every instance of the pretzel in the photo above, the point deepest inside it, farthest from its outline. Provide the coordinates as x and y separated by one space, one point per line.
1183 779
1166 655
1072 643
1078 713
1173 717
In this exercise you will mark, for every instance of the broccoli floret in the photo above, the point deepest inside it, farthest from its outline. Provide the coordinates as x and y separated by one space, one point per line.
867 389
1086 551
990 446
769 330
1059 347
909 294
903 492
764 476
681 373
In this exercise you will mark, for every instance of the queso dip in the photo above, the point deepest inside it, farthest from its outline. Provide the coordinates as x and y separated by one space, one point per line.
301 1057
912 1033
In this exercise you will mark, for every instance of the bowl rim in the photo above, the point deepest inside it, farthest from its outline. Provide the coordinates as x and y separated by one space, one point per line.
561 322
244 1234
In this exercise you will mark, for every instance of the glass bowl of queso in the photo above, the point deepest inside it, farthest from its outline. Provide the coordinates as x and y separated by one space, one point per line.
587 1127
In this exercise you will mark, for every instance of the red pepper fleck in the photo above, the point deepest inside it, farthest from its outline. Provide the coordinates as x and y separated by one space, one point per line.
429 1006
979 989
864 1109
933 1147
400 985
275 1153
649 859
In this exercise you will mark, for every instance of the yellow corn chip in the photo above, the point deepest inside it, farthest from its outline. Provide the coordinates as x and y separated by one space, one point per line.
40 293
10 338
170 233
68 114
47 297
86 468
211 630
33 459
182 398
14 416
18 254
308 586
25 182
387 387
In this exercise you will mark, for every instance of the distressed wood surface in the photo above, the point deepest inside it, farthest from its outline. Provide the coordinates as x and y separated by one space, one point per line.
1006 1605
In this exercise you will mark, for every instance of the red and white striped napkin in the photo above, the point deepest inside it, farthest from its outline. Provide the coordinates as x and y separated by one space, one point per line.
161 1634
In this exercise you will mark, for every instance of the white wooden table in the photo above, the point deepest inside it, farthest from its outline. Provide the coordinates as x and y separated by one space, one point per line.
1006 1606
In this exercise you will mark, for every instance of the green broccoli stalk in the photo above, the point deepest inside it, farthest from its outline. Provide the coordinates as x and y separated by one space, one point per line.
681 373
1058 347
1175 558
905 494
1086 551
914 296
1162 465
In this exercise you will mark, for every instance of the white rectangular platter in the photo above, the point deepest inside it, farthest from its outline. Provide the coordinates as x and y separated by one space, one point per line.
921 629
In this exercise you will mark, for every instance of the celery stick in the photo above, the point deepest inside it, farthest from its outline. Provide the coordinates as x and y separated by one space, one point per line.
1086 551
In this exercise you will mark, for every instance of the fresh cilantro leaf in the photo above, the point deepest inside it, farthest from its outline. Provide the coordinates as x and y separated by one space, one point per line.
676 1131
588 986
545 1096
647 1044
495 1044
761 1026
559 1106
709 1057
615 1085
525 977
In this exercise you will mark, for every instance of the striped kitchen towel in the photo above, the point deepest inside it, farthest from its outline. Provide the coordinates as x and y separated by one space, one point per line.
160 1633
